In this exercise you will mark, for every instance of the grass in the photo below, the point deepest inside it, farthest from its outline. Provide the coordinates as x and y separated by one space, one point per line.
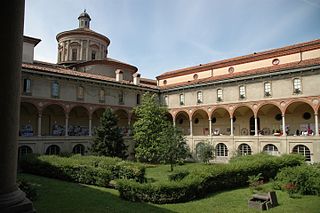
60 196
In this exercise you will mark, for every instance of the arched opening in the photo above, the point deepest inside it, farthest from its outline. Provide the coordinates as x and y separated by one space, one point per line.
169 117
242 125
221 150
96 116
78 149
183 122
28 120
299 118
53 150
200 123
271 149
53 121
270 117
24 150
220 122
302 150
244 149
122 116
78 122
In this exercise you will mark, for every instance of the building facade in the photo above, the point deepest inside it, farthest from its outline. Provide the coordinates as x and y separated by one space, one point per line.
267 101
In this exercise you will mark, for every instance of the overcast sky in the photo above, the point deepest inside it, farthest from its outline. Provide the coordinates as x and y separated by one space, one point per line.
163 35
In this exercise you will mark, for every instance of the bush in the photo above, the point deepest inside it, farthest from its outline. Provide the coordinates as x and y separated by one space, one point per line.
82 169
27 188
205 152
302 180
210 179
178 175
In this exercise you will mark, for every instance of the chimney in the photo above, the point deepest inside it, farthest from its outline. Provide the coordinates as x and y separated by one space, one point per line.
136 78
119 75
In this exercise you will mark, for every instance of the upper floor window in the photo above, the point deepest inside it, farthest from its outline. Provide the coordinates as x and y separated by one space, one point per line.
297 85
219 95
166 100
267 89
80 93
199 97
93 55
55 89
121 97
101 95
181 99
242 92
74 54
26 86
138 99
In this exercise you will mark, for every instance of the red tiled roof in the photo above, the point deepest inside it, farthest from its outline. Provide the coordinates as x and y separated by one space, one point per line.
310 45
275 68
58 69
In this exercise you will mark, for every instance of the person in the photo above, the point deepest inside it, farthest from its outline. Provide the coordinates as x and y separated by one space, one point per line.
297 132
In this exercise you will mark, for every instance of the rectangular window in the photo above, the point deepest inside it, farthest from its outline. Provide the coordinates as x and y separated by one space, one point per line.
242 91
199 97
74 54
138 99
93 55
26 86
181 97
55 89
267 89
297 85
80 94
219 95
121 98
102 96
166 100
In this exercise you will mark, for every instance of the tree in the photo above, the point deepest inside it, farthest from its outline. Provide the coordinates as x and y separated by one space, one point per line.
108 140
147 129
173 145
205 152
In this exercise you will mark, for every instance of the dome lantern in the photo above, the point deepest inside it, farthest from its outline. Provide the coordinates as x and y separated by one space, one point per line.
84 20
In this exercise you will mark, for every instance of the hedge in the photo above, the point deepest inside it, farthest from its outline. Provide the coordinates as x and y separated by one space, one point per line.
210 179
92 170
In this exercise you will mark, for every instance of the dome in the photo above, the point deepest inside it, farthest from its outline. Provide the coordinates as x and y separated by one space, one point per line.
84 15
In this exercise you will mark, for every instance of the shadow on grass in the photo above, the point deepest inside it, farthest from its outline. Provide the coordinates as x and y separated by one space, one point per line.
60 196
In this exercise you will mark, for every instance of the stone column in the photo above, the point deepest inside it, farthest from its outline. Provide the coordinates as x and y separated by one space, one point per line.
316 124
66 125
39 124
231 126
191 127
283 125
255 126
12 199
90 125
210 127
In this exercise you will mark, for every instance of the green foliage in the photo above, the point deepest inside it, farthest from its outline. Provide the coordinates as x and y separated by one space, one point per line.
173 146
92 170
28 188
205 152
178 175
108 140
210 179
255 183
303 180
148 128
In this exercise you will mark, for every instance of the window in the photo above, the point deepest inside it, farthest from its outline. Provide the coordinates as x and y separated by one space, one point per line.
24 150
181 99
270 149
297 85
267 89
303 150
74 54
242 92
166 100
195 76
199 97
244 149
219 95
102 95
121 97
55 89
93 55
80 95
138 99
53 150
78 149
221 150
26 86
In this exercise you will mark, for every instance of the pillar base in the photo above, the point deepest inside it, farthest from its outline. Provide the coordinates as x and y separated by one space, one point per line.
15 202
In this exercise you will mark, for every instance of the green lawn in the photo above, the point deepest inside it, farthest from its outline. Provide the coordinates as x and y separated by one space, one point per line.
60 196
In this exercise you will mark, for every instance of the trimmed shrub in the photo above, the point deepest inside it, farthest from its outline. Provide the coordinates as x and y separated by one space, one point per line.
178 175
210 179
302 180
